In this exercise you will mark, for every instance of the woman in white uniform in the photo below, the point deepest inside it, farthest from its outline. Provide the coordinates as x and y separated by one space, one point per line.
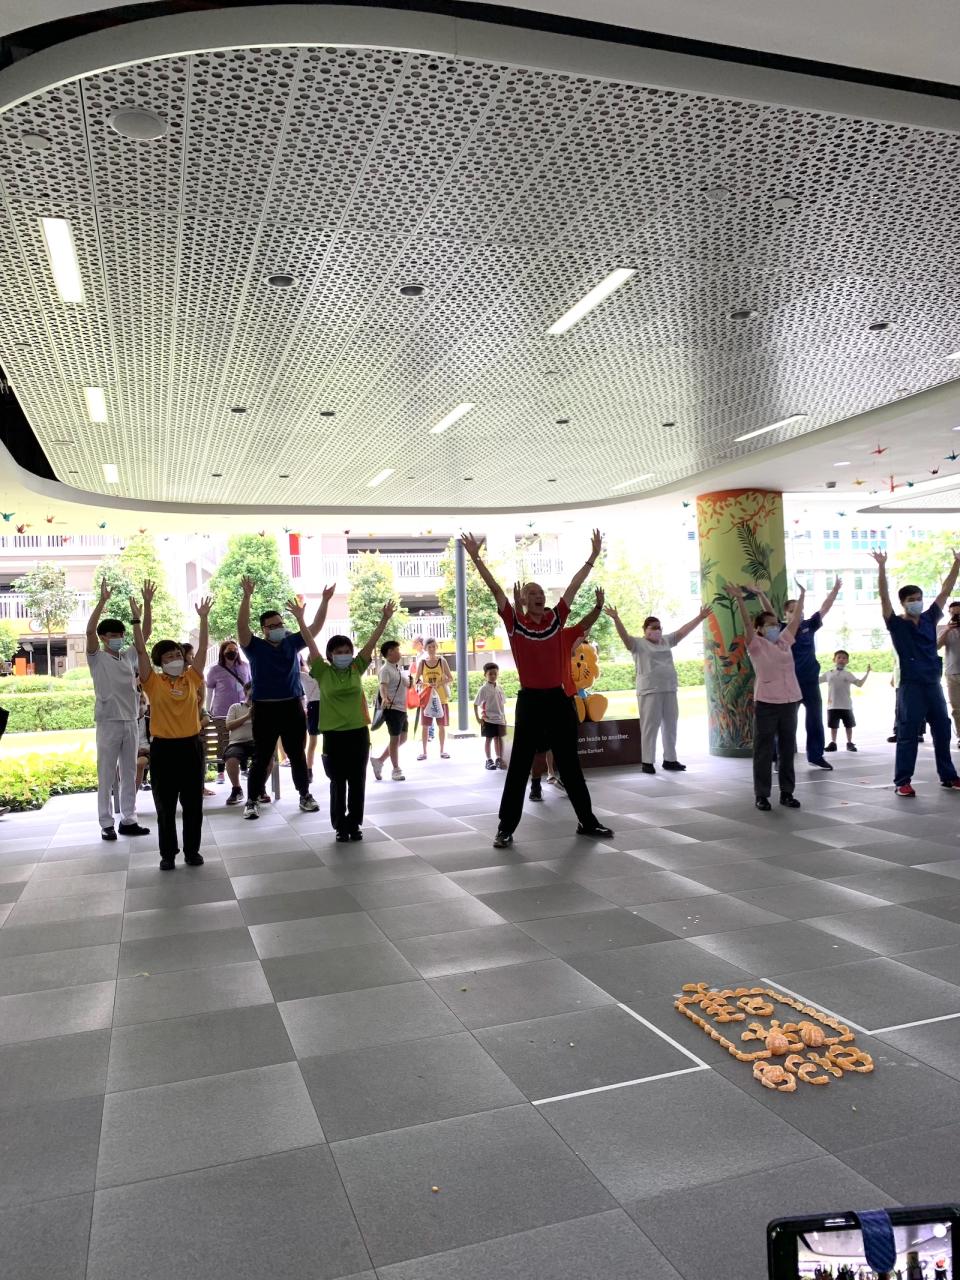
657 685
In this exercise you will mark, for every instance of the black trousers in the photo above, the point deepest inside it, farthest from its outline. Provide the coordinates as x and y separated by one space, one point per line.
345 756
545 721
286 721
774 732
177 768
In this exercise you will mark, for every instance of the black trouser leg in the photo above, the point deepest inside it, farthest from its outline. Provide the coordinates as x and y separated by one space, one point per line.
345 755
265 725
527 738
787 745
765 719
165 773
562 722
192 771
293 735
358 755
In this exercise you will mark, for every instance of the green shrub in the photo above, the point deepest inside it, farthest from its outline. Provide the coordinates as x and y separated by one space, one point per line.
30 781
33 712
78 675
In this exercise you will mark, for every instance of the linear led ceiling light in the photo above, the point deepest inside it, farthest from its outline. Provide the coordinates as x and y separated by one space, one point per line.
453 416
379 478
110 473
954 355
625 484
96 404
58 235
784 422
592 299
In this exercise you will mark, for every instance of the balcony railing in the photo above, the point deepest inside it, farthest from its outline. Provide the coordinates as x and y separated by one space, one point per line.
13 608
28 545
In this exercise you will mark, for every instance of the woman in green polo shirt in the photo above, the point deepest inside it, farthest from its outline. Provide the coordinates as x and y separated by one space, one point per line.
344 723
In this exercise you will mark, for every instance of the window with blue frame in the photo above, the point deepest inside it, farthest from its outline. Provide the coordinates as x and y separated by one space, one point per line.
868 539
831 539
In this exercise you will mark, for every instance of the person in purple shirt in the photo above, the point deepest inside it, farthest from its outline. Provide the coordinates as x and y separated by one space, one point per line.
225 682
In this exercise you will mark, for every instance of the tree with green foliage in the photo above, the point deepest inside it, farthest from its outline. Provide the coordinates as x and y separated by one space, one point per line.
482 616
924 561
49 600
9 640
371 586
637 588
126 573
249 555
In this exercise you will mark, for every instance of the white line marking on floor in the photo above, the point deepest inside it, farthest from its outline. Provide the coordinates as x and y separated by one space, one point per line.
622 1084
663 1036
923 1022
815 1004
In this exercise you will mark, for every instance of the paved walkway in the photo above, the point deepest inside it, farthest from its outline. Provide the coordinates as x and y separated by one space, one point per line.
307 1061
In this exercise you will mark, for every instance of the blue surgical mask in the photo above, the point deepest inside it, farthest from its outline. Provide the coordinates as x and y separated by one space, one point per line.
115 643
342 660
772 633
276 634
914 608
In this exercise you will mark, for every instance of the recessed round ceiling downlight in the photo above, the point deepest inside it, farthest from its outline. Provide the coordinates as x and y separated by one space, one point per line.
138 124
743 313
783 203
238 408
281 280
412 291
36 141
878 326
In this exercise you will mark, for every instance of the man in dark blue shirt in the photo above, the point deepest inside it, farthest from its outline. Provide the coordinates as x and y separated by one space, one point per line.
920 695
808 673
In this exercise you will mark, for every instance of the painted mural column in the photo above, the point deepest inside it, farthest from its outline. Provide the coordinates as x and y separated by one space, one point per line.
741 540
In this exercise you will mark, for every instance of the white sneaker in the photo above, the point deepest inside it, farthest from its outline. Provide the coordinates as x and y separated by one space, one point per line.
398 775
251 810
377 767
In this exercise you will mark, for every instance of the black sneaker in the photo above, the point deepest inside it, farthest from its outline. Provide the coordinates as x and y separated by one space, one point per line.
536 791
674 766
342 837
166 864
821 764
763 804
597 830
502 840
490 765
892 738
133 829
235 796
108 833
851 747
831 746
648 768
789 802
356 834
193 859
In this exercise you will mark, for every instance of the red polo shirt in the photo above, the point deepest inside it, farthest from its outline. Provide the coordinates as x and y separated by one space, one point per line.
542 650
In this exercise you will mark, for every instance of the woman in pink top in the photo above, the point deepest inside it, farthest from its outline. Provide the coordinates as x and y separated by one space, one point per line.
776 698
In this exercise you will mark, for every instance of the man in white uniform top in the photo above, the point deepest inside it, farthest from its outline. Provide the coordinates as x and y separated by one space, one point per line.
657 685
116 712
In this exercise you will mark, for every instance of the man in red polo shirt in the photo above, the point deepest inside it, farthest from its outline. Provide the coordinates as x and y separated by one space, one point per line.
545 718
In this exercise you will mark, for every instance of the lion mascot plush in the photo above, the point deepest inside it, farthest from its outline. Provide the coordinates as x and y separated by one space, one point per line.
585 666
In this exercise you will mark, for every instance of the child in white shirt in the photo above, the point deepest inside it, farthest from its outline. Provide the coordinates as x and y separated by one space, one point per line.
839 701
490 709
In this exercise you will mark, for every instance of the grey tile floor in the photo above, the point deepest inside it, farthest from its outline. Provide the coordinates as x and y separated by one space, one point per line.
419 1058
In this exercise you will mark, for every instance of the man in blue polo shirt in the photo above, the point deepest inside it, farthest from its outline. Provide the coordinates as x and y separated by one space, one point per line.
808 674
920 695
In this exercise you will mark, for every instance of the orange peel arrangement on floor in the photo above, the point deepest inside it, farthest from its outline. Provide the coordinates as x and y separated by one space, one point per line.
814 1050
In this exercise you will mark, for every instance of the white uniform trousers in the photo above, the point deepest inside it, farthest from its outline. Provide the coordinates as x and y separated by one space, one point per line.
659 713
117 747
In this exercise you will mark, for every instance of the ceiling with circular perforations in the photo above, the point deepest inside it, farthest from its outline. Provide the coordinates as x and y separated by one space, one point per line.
508 193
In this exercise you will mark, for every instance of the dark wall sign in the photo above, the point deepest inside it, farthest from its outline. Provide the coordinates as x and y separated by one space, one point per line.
609 742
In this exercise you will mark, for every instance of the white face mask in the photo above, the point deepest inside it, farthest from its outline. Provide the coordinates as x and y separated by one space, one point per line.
173 668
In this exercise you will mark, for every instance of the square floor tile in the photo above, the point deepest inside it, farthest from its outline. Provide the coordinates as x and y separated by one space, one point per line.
800 901
900 884
150 1133
375 870
649 1138
514 993
779 948
950 868
419 920
498 1172
51 1070
525 875
299 905
284 1216
59 936
291 937
394 1086
206 1044
73 886
49 1149
659 968
943 907
738 877
937 1044
79 907
850 836
643 886
470 949
604 1245
320 973
542 901
824 863
714 913
683 859
376 1015
48 1240
269 861
876 993
51 969
405 893
915 1171
941 962
593 931
546 1057
57 1012
185 951
179 994
165 921
752 1202
889 930
274 883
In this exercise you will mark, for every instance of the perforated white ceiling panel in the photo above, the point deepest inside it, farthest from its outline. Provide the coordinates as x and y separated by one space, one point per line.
507 193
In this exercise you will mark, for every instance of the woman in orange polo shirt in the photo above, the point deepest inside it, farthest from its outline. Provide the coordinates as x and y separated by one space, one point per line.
177 763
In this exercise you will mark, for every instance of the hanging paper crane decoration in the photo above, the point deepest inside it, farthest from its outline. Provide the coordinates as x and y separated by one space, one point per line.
934 471
102 524
49 519
21 528
878 451
685 504
8 515
952 457
141 531
892 484
841 513
858 483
